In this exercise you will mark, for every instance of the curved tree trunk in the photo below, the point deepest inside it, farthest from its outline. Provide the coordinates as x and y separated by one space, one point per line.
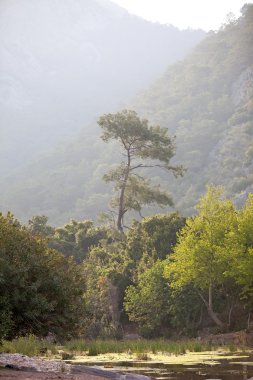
121 210
209 306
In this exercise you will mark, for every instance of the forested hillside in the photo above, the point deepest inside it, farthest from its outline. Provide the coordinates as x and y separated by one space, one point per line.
205 100
64 62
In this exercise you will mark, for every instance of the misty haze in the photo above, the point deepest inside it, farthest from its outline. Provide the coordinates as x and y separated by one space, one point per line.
126 203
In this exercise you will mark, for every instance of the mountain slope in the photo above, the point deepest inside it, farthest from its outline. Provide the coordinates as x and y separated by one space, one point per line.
63 62
206 100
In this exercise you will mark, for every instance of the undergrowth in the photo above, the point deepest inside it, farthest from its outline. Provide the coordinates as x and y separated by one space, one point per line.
29 345
33 346
94 348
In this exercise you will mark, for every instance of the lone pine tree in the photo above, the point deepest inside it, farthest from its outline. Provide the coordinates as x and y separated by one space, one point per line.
143 146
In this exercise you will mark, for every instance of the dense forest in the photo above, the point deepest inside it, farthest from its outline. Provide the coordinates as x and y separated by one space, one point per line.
102 279
100 282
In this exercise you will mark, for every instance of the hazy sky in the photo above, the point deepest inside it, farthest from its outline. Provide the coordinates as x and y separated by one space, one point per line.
204 14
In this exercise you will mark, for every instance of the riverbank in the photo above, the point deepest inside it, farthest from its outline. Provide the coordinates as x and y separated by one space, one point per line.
17 366
33 346
126 366
112 360
27 375
96 360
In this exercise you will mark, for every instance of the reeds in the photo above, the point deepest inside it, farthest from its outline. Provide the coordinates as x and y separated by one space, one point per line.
97 347
29 345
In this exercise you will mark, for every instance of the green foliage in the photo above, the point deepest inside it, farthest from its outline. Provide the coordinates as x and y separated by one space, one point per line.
143 146
76 238
209 272
155 235
112 265
139 347
93 351
186 310
140 192
40 290
142 303
135 135
197 258
30 346
107 270
213 257
240 246
39 227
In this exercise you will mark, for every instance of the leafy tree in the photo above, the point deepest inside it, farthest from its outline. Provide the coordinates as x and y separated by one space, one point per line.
155 235
40 290
186 310
199 257
148 242
240 252
38 226
76 238
143 146
107 270
147 303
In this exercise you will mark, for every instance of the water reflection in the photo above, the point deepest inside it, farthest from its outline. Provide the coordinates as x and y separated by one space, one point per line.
223 370
216 372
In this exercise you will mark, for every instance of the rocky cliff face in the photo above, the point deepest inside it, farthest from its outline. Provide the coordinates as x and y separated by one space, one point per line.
242 89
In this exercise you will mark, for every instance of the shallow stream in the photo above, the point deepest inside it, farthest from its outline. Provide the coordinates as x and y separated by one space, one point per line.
232 368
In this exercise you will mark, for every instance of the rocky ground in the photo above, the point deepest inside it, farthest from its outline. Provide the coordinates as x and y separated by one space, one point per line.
28 375
23 362
17 366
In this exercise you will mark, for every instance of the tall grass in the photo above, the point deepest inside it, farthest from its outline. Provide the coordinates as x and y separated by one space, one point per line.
29 345
138 346
33 346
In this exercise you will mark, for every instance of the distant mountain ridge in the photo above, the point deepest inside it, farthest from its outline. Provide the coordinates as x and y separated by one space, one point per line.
206 100
64 62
